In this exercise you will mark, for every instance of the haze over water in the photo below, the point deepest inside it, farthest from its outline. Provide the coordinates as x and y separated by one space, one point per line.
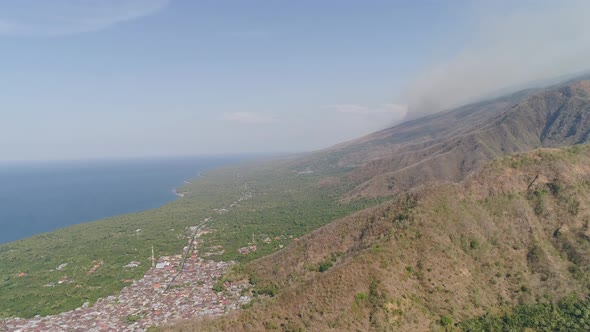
37 197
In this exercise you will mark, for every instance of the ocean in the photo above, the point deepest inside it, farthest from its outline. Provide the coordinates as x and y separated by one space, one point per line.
38 197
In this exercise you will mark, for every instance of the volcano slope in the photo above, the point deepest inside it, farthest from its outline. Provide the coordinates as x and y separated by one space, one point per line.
294 196
514 232
450 145
465 234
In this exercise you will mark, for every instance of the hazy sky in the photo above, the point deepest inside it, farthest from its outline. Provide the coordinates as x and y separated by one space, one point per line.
130 78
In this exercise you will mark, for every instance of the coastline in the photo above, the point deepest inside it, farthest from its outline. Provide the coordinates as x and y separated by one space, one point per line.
96 241
96 199
190 181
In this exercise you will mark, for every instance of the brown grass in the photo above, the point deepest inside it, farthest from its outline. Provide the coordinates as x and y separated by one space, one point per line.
458 250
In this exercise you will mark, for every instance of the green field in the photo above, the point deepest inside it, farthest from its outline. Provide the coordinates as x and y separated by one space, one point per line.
570 314
283 204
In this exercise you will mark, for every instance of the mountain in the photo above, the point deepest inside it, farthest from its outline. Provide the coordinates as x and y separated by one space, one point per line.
449 145
430 223
487 210
514 232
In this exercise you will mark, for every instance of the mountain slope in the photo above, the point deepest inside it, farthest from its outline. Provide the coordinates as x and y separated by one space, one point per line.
433 225
458 240
448 146
516 231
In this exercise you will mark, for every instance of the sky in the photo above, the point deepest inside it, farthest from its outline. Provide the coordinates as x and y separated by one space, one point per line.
86 79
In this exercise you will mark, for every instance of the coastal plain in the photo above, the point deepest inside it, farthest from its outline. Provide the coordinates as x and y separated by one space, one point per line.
92 256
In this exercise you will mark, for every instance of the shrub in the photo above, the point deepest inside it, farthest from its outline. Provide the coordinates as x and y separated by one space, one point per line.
554 188
270 326
361 297
218 286
270 290
573 207
446 321
324 266
253 279
391 184
570 314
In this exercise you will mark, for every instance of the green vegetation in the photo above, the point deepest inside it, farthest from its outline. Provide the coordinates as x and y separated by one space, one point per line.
515 232
359 297
96 254
391 183
324 266
329 262
285 206
277 204
132 319
436 255
570 314
446 321
218 286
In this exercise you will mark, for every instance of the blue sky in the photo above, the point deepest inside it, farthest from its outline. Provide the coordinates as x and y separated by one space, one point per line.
135 78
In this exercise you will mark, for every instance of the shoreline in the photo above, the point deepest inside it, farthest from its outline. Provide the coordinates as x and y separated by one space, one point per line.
163 202
190 181
154 286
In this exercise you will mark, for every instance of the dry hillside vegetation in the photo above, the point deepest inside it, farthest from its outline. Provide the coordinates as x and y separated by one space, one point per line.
450 145
515 232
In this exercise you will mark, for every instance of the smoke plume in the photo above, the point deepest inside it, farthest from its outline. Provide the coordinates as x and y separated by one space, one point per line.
509 51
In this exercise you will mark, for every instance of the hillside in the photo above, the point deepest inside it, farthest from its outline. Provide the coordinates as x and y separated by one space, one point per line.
449 145
240 206
515 232
401 221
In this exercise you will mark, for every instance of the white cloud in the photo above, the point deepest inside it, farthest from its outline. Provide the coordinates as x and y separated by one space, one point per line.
249 117
350 109
65 17
388 109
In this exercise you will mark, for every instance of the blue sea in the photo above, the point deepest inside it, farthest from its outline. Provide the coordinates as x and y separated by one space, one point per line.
39 197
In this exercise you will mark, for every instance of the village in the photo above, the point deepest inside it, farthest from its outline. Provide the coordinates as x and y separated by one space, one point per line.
178 287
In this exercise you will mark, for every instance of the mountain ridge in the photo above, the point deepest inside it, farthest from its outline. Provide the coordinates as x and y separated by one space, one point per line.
449 145
516 231
488 210
379 212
